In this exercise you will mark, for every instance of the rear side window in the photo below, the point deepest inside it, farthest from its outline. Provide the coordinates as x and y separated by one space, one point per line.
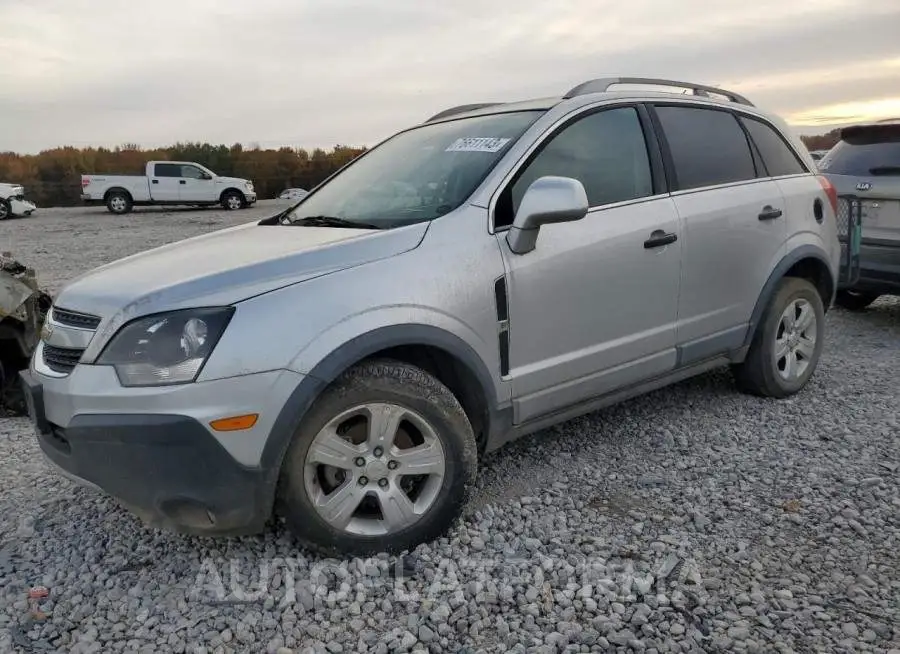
708 146
167 170
777 156
865 151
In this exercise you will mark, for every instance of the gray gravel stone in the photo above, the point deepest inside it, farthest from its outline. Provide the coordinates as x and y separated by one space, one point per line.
695 518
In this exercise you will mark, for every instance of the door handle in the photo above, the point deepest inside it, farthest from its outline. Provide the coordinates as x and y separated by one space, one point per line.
181 181
155 181
659 238
770 213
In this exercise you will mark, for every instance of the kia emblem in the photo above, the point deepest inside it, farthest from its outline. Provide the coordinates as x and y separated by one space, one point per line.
864 186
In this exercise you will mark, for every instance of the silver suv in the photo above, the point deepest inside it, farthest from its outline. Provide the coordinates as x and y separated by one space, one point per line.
498 269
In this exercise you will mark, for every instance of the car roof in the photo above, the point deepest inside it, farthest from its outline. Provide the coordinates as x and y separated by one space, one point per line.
598 89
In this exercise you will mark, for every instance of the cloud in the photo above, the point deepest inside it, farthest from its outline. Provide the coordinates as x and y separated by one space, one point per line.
315 73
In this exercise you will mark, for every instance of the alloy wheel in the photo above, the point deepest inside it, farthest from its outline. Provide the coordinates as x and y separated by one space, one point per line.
374 469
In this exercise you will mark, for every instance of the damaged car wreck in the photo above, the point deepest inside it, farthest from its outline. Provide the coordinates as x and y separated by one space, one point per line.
23 308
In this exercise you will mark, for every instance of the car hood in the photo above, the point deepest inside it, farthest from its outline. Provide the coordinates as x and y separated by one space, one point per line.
225 267
234 181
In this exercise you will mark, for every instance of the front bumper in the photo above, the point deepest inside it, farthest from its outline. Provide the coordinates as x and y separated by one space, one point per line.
168 467
251 196
22 207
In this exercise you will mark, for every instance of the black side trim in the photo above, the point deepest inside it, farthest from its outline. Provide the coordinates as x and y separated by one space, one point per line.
508 432
654 151
768 290
710 346
500 299
664 148
504 352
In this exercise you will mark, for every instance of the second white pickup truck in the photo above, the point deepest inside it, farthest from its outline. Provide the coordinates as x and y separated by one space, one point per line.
167 183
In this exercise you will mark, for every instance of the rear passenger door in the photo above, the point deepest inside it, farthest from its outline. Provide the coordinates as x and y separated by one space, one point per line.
164 185
733 225
798 185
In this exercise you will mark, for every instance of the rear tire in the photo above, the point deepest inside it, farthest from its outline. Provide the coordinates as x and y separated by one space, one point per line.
787 344
855 300
5 210
233 200
367 499
119 202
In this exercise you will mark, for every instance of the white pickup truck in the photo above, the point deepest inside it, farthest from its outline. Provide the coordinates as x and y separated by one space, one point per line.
13 202
167 183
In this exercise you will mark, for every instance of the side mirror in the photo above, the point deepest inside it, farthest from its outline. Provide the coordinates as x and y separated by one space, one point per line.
206 175
548 200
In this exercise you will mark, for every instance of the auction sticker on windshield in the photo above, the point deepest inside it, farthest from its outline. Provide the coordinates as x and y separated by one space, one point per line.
477 144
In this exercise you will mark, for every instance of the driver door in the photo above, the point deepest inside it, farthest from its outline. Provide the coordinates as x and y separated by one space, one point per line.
194 187
593 307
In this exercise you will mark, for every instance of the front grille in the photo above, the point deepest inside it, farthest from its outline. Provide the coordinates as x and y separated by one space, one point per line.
61 359
75 319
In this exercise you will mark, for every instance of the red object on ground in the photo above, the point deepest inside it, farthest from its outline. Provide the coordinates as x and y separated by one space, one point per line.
38 592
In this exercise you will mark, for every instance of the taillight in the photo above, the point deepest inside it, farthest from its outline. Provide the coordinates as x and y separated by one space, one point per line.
830 191
85 181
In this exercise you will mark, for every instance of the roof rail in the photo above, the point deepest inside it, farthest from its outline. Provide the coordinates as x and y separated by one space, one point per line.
602 84
452 111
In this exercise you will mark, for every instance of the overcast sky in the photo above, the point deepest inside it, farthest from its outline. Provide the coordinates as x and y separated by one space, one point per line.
324 72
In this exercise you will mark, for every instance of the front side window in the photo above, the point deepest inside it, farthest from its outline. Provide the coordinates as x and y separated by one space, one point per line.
417 175
708 146
605 151
191 172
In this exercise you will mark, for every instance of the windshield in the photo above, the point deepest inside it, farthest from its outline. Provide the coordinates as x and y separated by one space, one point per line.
864 152
415 176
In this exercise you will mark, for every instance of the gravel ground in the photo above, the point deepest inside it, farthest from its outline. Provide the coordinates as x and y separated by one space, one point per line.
692 519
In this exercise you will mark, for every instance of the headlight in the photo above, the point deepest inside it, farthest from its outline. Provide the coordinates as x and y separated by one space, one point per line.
250 185
166 348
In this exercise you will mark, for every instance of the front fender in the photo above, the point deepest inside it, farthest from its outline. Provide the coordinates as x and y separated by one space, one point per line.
364 334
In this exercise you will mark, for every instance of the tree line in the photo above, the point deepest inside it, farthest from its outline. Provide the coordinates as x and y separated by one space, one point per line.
822 141
52 178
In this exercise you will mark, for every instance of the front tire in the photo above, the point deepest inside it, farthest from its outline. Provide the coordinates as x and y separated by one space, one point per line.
855 300
383 461
233 200
5 210
788 342
118 202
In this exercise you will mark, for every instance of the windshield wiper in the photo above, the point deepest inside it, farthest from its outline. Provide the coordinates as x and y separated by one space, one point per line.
885 170
333 221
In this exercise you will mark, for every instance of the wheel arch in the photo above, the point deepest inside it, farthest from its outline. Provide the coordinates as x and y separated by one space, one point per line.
439 352
808 262
229 190
112 189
